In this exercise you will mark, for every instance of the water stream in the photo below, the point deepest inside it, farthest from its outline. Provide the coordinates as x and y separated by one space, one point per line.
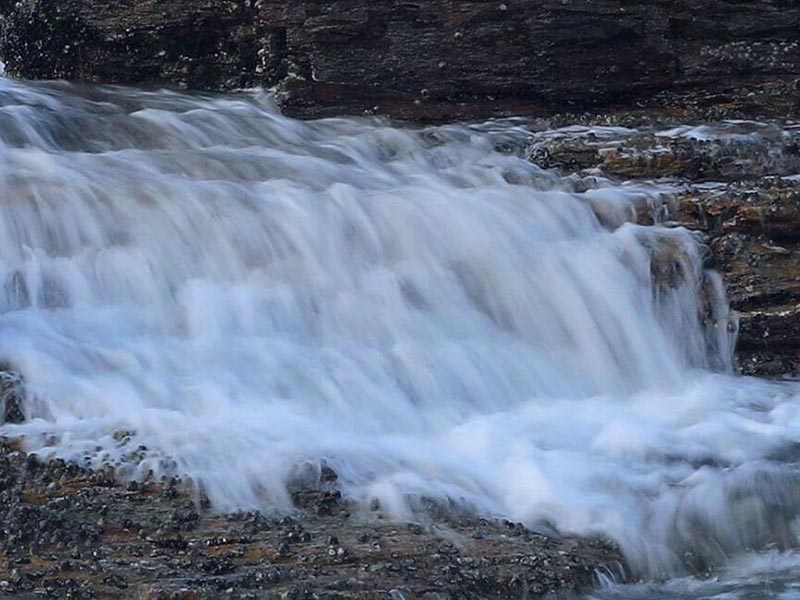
423 309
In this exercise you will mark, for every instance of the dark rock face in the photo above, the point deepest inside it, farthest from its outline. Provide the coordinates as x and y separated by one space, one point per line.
440 58
423 60
195 44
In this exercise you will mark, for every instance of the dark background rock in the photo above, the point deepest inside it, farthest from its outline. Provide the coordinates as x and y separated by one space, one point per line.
422 59
194 44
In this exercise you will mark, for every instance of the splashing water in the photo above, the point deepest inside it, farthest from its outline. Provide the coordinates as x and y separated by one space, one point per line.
421 308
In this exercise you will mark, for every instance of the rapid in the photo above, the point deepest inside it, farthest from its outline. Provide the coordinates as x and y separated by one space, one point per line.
199 286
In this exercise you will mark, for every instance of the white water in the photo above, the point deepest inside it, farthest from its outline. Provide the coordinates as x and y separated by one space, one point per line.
247 294
767 575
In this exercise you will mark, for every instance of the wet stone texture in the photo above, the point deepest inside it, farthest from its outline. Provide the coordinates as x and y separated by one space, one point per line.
70 533
736 181
431 60
12 396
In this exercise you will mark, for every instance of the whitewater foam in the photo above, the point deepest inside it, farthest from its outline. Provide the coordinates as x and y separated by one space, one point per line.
422 308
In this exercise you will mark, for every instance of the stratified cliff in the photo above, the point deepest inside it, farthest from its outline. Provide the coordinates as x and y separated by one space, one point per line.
423 59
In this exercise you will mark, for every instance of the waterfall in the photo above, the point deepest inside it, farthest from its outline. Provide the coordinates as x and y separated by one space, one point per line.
199 286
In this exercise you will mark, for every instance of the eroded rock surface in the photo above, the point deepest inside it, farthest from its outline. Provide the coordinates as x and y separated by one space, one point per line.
441 60
72 533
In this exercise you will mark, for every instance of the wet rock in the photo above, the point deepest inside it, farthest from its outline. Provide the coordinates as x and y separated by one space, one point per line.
12 396
736 183
217 566
754 233
414 60
725 152
52 542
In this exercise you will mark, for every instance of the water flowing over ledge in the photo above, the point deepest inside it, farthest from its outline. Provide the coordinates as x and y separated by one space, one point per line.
423 309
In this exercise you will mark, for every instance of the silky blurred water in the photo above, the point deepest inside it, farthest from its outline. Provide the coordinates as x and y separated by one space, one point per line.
422 309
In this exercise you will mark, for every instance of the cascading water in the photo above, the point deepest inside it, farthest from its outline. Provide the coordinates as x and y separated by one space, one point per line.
243 294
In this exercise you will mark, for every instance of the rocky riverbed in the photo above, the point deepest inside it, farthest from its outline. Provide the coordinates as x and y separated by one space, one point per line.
71 533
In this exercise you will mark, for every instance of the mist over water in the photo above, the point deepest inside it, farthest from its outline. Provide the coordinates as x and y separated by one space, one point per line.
422 309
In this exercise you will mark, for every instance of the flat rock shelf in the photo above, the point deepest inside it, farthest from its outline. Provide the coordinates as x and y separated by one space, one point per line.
72 533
